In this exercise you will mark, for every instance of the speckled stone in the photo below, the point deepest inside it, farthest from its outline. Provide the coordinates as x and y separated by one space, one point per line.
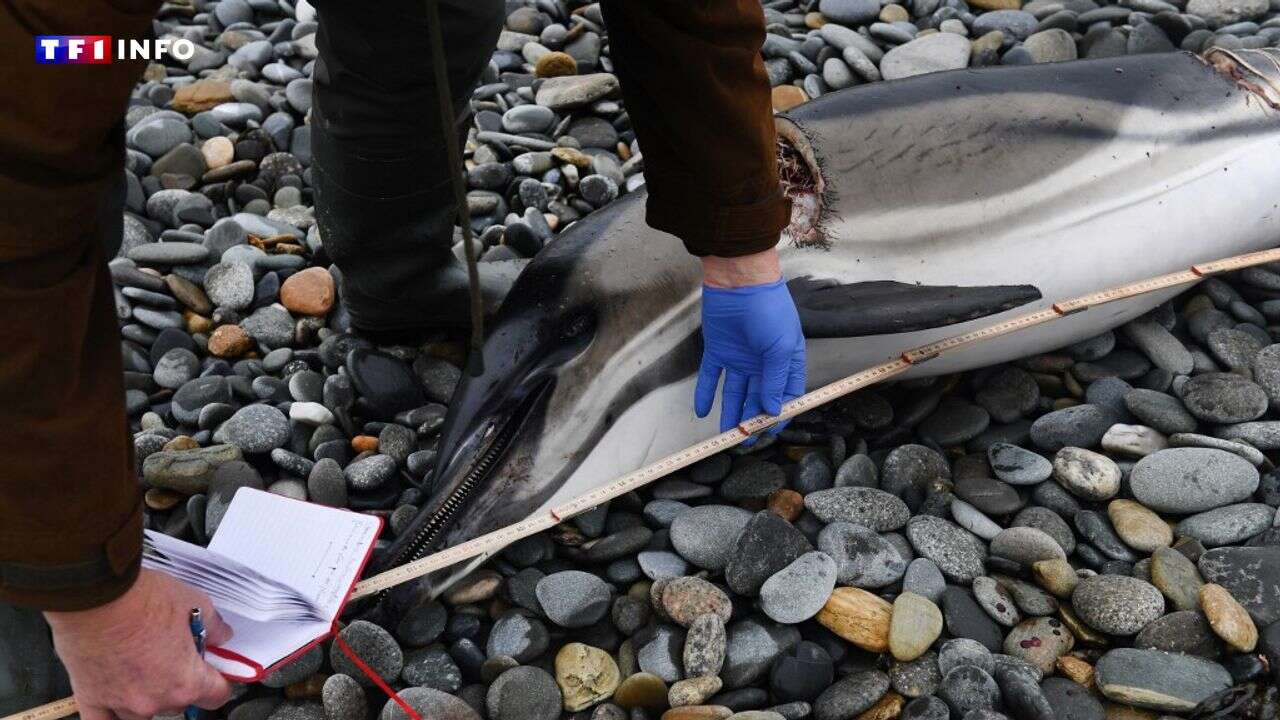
957 552
1117 604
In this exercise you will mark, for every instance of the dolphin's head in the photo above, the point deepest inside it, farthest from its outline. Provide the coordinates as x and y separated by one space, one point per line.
601 316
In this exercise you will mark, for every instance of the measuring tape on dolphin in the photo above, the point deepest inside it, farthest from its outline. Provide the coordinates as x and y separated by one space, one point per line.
496 540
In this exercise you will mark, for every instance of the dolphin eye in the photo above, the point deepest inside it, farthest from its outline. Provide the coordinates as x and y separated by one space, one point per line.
576 326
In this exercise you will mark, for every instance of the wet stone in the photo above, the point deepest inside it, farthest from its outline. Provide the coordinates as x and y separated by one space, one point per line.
965 618
862 557
1018 466
1224 398
870 507
967 688
766 544
1077 426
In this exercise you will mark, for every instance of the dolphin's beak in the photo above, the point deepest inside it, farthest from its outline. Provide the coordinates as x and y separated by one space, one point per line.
488 416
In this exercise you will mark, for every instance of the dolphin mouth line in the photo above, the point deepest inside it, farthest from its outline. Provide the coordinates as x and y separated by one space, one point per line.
488 459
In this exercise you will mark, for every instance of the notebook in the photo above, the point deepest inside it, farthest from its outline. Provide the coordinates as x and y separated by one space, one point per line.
278 571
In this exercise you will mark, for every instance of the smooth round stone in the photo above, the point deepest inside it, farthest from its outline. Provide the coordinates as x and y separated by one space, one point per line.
753 481
1233 347
931 53
573 598
925 579
422 624
343 697
433 668
1009 394
1070 700
959 554
1157 680
1086 474
1250 574
862 557
965 618
802 674
1138 527
995 600
849 12
1077 426
851 696
954 421
915 624
686 598
1018 466
641 690
1048 522
517 636
857 471
1184 631
926 707
1096 530
176 368
1039 641
1160 411
1026 546
1117 604
1227 525
964 651
1177 577
917 678
524 693
1224 398
1190 480
1228 618
798 591
908 469
751 648
428 703
374 646
1243 449
704 646
766 545
967 688
255 429
972 519
990 496
706 535
869 507
659 564
658 652
370 472
229 285
1133 440
528 119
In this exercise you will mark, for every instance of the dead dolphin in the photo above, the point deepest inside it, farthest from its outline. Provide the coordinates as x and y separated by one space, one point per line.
922 207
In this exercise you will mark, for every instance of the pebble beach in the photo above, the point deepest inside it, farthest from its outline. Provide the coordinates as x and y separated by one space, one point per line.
1087 534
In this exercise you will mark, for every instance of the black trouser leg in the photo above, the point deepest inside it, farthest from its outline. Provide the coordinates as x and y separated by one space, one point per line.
383 201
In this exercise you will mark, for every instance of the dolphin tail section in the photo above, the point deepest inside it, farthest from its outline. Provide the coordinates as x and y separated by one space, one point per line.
829 309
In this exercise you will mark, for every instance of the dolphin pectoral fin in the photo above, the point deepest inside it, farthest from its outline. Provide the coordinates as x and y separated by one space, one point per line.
829 309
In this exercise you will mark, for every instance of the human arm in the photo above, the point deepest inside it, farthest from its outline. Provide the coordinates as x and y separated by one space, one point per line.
699 101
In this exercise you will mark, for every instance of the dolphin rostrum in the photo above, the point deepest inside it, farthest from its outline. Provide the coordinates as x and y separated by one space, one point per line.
921 206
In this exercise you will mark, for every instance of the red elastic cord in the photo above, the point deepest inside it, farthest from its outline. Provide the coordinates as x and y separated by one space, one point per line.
377 680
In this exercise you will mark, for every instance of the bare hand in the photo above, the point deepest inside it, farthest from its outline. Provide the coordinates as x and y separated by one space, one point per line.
134 657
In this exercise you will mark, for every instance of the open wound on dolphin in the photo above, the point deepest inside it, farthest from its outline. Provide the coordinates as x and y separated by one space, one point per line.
1247 74
800 171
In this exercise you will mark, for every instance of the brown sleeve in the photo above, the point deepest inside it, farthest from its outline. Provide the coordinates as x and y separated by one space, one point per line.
70 513
699 100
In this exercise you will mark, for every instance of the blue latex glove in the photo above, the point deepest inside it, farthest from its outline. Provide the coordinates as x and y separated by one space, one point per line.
752 335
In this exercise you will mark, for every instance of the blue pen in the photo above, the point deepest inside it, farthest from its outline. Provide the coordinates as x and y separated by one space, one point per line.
198 634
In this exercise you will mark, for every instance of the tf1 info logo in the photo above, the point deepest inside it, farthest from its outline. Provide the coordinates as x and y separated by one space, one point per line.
101 49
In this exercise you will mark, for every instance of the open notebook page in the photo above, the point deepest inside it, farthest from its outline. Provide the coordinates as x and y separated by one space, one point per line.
316 550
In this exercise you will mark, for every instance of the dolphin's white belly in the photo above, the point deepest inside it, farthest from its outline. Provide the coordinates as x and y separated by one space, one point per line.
1065 256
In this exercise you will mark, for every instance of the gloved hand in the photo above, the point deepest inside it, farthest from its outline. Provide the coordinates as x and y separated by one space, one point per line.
751 334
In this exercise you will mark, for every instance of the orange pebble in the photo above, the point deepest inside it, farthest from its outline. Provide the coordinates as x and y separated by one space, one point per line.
364 443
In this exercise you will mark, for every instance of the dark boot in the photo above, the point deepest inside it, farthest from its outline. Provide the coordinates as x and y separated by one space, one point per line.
384 203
